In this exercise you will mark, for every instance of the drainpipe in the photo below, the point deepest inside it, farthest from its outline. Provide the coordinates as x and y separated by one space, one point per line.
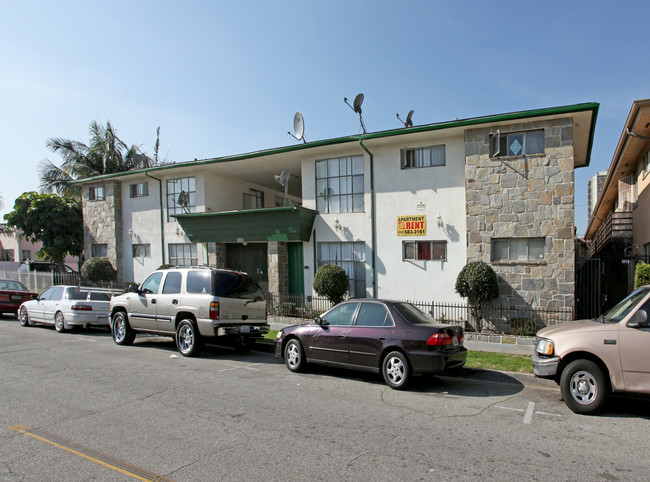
373 220
162 225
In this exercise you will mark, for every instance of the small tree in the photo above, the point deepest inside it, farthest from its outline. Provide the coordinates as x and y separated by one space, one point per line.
477 282
331 282
98 269
641 275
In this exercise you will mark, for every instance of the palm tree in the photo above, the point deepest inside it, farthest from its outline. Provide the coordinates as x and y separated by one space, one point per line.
105 154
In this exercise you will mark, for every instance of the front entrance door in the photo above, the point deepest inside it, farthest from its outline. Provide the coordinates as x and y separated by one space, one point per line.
251 259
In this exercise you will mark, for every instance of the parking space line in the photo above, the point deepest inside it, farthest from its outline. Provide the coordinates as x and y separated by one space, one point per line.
89 454
529 412
238 367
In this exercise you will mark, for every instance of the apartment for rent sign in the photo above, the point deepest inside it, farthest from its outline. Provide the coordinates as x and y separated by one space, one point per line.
412 225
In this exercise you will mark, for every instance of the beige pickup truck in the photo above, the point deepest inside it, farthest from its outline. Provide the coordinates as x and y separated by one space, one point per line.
591 358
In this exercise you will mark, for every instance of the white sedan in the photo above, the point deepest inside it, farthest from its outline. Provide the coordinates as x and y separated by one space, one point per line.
67 306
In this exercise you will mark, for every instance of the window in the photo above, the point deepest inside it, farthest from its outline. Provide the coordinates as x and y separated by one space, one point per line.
141 251
96 193
183 255
518 249
172 283
253 199
26 254
350 257
342 315
152 283
140 189
98 250
181 196
516 143
199 282
339 185
7 255
373 314
423 157
424 250
646 164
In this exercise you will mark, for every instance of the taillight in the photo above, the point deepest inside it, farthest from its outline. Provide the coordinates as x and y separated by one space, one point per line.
82 308
440 339
214 310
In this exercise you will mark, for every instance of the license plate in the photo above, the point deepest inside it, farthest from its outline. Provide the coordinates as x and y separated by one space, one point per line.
244 329
16 297
455 341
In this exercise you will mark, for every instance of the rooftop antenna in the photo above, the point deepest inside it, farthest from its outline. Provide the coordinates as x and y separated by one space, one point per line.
283 179
356 107
298 128
409 119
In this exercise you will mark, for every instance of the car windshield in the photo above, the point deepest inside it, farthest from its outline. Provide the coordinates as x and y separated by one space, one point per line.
76 295
12 285
235 285
622 309
413 315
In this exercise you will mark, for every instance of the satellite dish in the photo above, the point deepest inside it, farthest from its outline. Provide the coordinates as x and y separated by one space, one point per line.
356 107
409 119
283 179
298 128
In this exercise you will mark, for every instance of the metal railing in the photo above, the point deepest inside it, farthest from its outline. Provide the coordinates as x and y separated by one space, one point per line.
39 281
510 320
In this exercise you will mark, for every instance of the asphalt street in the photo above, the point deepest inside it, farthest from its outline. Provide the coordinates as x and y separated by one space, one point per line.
75 406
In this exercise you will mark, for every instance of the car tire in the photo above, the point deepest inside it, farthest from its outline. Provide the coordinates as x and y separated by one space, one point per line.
59 322
188 339
294 356
23 316
396 370
583 387
122 332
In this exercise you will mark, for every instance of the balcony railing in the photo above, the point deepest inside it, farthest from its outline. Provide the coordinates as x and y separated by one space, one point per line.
617 226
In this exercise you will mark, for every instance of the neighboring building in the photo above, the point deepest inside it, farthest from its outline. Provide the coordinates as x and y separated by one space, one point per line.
618 233
594 188
402 211
15 248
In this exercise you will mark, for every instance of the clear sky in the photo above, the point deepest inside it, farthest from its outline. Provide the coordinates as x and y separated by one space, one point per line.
223 78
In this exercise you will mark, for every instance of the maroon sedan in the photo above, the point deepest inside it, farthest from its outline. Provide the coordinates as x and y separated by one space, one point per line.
391 337
12 295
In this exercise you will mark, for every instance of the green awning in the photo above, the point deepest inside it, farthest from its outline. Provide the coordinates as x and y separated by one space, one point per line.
274 224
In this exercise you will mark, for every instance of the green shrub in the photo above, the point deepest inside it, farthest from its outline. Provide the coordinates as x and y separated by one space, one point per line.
98 269
166 266
523 326
331 282
641 275
287 308
477 282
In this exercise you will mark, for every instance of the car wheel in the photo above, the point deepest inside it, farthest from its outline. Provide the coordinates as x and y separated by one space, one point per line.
583 386
396 370
294 356
59 322
23 316
188 339
123 334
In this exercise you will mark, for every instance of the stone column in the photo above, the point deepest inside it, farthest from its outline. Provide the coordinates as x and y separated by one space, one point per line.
278 262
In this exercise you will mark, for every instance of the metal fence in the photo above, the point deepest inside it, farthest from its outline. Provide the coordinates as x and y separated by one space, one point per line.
38 281
511 320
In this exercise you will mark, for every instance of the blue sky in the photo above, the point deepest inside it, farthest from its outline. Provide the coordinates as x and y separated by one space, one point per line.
223 78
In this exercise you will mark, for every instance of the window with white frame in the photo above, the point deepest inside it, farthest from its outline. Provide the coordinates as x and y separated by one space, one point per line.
181 196
424 250
349 256
184 254
516 143
253 199
518 249
140 189
96 193
98 250
423 157
141 251
339 185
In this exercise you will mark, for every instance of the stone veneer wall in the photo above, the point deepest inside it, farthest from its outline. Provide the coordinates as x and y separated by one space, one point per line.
103 224
524 197
278 262
217 259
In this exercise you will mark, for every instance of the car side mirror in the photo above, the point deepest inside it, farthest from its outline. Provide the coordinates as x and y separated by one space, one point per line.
639 319
321 321
34 296
132 289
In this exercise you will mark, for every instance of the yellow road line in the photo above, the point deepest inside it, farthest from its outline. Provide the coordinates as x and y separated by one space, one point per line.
90 454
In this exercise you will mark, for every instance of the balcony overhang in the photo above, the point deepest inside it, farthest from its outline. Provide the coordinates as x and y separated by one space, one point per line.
290 223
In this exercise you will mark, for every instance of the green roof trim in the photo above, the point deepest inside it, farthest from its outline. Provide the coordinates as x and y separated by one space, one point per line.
292 223
473 121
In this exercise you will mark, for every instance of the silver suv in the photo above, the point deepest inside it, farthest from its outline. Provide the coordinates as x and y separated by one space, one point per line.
191 304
